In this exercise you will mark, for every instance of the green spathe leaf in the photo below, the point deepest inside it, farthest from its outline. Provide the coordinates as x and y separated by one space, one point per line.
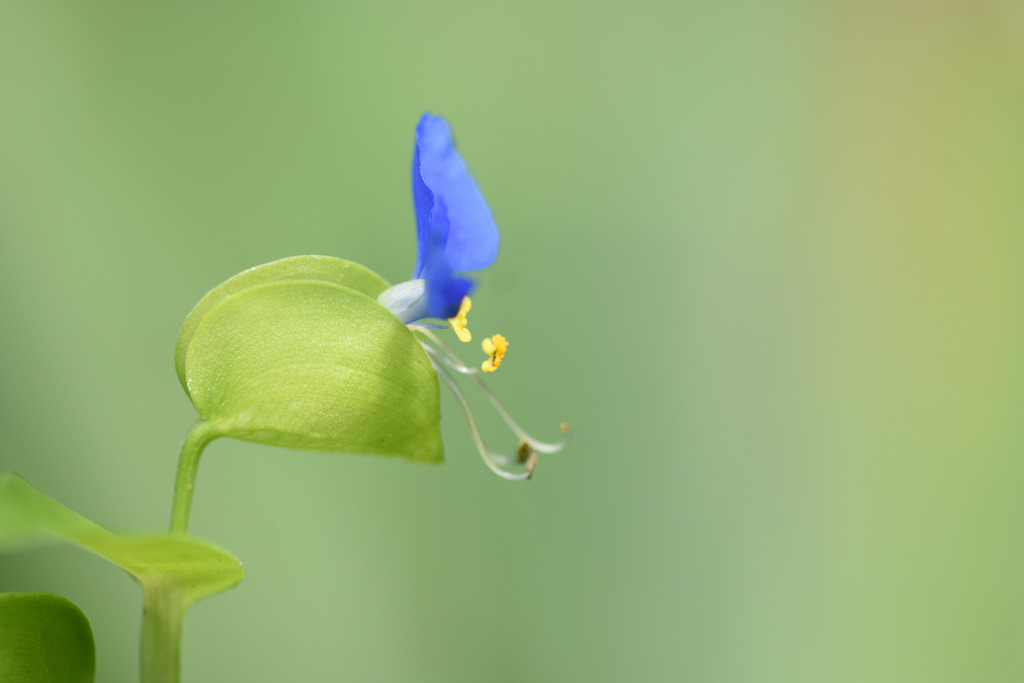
298 353
44 638
188 566
318 268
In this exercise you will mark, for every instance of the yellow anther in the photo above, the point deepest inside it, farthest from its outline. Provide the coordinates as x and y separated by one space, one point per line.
494 347
459 322
523 451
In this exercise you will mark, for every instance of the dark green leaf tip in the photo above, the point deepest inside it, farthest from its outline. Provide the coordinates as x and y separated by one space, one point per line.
44 639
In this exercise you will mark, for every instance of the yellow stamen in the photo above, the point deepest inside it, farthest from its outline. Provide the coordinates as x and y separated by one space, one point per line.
523 451
494 347
459 322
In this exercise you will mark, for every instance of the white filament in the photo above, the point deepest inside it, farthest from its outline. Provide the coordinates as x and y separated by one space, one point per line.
455 363
490 458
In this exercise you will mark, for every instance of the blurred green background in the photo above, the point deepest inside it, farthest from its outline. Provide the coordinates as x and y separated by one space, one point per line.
764 257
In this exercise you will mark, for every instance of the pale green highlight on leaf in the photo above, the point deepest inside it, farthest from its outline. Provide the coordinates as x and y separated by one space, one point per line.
44 639
319 268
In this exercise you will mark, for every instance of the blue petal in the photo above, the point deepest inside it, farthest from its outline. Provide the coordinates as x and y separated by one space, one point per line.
451 213
445 290
423 204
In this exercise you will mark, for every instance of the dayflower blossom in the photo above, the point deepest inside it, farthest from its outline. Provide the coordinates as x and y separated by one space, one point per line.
455 231
455 234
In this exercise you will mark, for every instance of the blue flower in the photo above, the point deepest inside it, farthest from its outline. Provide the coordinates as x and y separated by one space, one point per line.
455 232
454 227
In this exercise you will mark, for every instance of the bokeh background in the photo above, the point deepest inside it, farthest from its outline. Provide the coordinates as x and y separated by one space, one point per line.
764 257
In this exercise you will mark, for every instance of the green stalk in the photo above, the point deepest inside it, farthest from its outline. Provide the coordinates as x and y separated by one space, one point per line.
201 434
162 612
163 607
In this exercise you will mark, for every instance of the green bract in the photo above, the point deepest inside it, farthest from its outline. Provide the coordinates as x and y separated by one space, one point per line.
298 353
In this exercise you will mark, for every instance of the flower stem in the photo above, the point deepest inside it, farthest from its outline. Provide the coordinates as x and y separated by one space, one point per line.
163 606
201 434
162 611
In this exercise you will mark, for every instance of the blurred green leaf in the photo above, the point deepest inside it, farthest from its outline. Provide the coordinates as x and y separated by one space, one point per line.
192 567
44 638
298 353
